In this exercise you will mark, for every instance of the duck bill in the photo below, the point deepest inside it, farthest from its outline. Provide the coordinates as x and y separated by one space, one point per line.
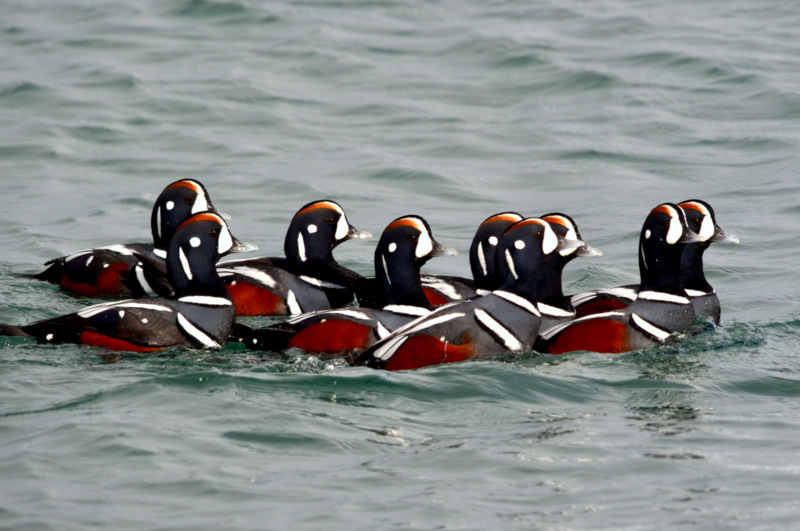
588 251
690 236
722 236
565 245
357 234
441 250
242 247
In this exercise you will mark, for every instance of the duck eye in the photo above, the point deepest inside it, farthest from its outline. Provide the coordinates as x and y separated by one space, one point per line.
331 221
413 237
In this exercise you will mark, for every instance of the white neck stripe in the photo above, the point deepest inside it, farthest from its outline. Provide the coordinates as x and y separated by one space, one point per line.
206 300
515 299
552 311
663 297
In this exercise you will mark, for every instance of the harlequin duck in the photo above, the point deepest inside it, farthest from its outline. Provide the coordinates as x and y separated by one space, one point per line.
661 307
133 269
405 245
502 320
702 220
308 279
200 315
554 306
440 289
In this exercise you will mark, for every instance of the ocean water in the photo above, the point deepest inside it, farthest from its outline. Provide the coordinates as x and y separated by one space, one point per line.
453 110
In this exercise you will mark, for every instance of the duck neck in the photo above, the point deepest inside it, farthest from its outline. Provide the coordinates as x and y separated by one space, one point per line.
548 284
659 267
400 281
202 278
692 272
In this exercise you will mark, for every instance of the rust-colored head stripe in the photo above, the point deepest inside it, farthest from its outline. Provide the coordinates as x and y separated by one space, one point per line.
505 216
205 216
525 222
558 220
318 205
663 209
408 222
186 184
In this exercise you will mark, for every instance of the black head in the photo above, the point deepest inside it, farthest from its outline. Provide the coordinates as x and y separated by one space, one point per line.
565 226
315 230
522 250
196 246
177 203
406 244
703 221
484 245
664 236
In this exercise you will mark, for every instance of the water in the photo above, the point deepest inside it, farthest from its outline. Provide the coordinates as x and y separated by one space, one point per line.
452 110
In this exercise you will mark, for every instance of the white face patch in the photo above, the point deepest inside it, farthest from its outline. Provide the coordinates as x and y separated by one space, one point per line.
550 240
185 263
121 313
170 205
195 242
342 227
519 244
311 229
392 247
647 234
675 229
510 262
492 241
225 241
201 203
301 247
572 234
424 244
707 226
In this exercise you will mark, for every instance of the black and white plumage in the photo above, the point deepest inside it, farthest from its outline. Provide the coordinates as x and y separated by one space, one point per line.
554 306
442 289
661 307
702 220
133 269
405 245
200 316
503 320
308 278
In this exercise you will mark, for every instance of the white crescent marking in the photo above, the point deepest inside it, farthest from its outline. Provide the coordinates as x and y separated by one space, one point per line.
196 333
501 332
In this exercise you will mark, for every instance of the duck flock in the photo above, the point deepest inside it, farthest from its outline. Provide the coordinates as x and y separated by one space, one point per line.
176 294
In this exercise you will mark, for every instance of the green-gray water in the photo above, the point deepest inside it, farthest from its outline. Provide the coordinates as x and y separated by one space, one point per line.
452 110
